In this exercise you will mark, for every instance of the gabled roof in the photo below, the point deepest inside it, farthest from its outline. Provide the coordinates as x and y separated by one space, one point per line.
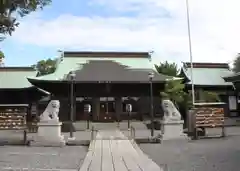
16 77
111 71
207 74
75 61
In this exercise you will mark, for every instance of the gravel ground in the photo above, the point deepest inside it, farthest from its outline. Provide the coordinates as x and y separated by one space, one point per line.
11 135
200 155
41 158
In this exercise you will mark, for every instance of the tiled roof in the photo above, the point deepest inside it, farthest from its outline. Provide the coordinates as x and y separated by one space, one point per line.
208 74
16 77
103 71
75 63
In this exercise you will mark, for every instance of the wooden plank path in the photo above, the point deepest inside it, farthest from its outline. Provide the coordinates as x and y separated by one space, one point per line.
112 151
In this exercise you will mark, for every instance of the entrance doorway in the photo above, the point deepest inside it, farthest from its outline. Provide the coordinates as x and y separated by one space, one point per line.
107 111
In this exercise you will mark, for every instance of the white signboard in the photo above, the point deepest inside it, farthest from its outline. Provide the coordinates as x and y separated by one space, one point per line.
129 108
34 109
87 108
232 102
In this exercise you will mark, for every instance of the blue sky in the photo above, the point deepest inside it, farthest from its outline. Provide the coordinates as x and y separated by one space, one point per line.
127 25
20 54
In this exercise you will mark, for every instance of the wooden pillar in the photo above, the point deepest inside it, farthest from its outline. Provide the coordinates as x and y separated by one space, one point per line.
95 108
64 112
118 108
74 107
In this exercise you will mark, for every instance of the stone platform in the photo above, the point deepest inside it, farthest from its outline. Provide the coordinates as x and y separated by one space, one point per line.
173 130
49 134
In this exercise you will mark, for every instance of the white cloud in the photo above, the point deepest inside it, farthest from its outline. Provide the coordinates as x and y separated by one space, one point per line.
214 26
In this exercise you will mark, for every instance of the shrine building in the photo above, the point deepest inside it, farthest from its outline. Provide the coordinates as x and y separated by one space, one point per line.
107 81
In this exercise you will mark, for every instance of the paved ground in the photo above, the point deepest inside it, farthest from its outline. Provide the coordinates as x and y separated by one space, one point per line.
17 136
207 155
200 155
112 151
123 125
16 157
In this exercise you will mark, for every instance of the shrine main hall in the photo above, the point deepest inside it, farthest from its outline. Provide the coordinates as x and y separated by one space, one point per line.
105 80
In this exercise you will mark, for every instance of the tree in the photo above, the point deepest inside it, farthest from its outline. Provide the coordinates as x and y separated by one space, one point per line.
45 67
2 54
236 63
174 90
166 68
11 9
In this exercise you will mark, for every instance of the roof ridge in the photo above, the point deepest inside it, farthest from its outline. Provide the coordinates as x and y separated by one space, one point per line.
109 54
206 65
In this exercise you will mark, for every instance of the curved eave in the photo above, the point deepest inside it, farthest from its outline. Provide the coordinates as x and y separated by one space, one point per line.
20 88
43 91
36 82
232 78
183 74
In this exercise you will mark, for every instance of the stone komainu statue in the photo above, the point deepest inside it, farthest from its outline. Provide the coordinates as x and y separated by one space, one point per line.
170 111
51 112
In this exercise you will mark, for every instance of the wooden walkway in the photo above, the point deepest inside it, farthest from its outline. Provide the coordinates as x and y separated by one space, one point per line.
112 151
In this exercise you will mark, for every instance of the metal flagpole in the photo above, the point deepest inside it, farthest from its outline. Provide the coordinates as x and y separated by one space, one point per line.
190 51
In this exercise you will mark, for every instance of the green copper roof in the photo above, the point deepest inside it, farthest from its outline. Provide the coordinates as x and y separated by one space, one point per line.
67 64
234 77
16 77
208 76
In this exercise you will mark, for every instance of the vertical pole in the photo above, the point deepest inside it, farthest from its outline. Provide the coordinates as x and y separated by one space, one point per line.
190 51
88 113
72 110
118 118
128 119
92 133
151 108
107 88
118 106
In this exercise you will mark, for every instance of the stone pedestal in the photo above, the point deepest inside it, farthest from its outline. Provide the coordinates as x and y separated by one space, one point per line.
173 130
49 134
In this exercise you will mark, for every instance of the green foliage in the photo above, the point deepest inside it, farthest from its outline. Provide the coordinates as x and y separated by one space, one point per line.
174 90
11 9
164 95
187 102
236 63
2 54
209 96
46 66
166 68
